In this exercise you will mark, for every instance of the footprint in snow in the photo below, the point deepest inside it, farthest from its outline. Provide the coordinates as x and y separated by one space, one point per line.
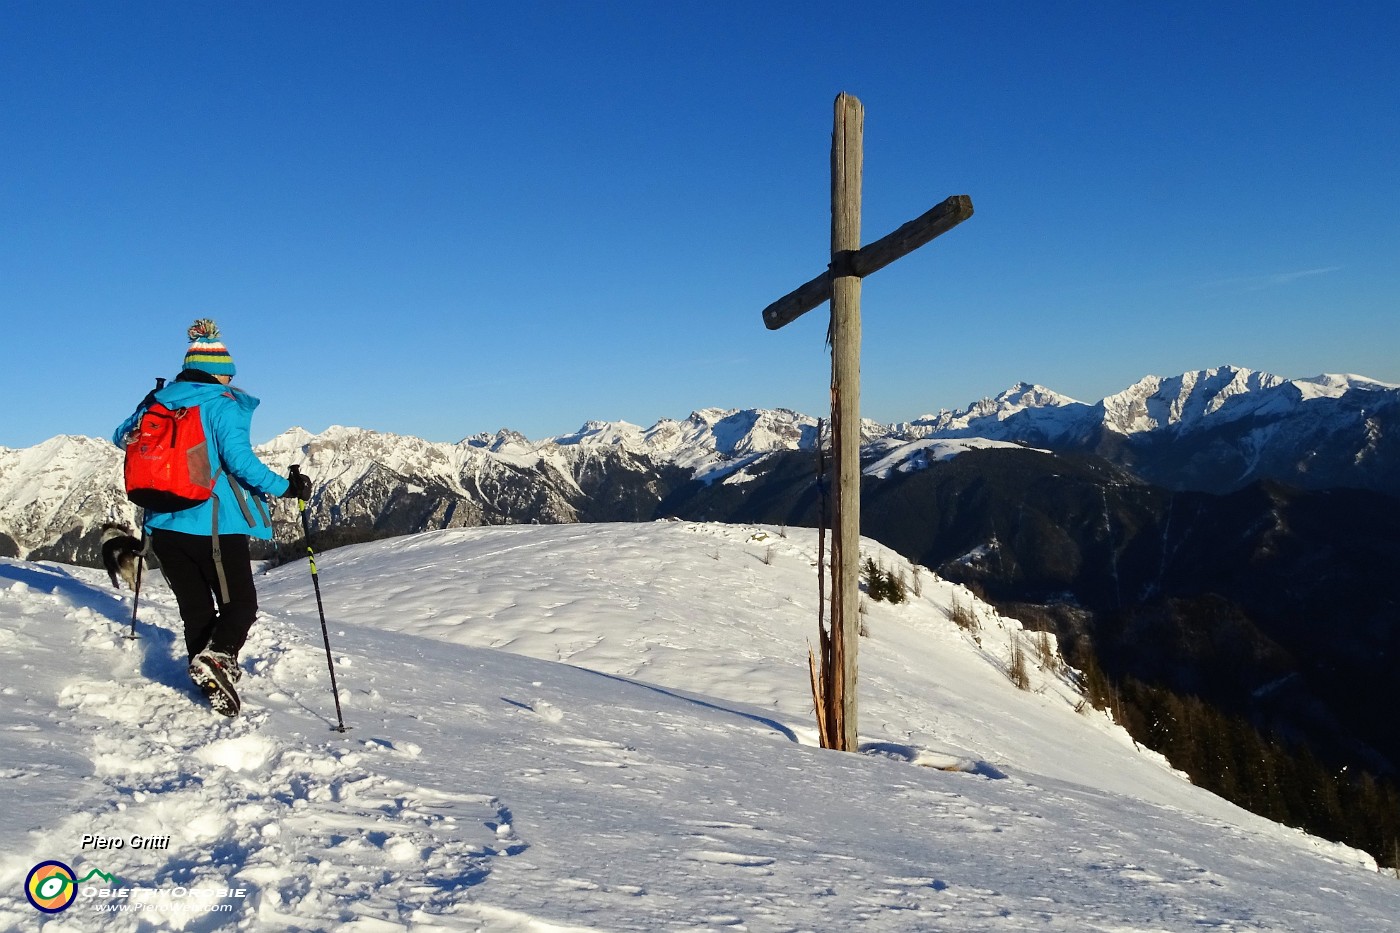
314 834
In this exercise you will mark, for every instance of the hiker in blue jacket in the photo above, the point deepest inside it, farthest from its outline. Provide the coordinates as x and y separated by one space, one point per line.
203 550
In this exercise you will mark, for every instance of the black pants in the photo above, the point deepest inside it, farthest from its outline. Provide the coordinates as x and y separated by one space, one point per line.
188 564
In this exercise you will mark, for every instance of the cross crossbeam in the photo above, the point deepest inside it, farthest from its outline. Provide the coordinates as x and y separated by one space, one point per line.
933 223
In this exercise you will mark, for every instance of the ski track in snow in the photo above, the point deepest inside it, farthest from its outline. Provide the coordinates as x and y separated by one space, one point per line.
484 790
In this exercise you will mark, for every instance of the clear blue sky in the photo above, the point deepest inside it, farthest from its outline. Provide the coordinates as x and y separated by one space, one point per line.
445 218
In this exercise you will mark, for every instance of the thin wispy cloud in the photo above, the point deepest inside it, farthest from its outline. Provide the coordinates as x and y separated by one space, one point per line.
1258 283
1284 278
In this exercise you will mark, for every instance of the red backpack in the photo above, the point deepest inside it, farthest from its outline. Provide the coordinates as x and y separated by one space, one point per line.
167 460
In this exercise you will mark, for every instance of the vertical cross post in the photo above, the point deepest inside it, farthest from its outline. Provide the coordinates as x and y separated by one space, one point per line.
834 679
846 165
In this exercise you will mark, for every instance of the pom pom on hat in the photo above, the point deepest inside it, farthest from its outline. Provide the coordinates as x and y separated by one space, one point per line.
203 329
207 353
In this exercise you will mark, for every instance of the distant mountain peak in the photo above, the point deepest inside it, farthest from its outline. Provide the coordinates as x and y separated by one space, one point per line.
1155 402
1333 385
1027 394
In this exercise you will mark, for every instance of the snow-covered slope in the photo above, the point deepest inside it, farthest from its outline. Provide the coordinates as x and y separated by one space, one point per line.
605 727
896 456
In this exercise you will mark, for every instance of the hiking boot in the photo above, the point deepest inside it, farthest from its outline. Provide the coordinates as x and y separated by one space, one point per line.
224 661
214 673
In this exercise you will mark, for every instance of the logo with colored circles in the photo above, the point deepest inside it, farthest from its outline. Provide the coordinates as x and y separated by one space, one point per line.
51 887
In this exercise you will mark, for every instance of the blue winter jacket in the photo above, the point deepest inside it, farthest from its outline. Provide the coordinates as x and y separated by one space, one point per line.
238 502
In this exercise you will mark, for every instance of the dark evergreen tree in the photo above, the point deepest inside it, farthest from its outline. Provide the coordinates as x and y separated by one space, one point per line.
1228 756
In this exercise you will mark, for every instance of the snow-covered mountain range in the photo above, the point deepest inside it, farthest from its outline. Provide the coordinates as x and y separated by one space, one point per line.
1181 403
1214 430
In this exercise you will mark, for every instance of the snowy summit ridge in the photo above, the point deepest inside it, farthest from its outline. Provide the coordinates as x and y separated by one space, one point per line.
708 435
1181 401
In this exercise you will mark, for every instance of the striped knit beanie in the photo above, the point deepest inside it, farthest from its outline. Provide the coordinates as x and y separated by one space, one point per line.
207 352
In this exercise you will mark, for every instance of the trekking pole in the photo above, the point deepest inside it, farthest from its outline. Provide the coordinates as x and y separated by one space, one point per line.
316 583
136 590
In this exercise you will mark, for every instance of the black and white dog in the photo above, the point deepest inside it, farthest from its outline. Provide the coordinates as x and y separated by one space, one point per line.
120 550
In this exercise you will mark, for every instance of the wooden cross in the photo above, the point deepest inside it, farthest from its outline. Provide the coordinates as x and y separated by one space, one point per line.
834 688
